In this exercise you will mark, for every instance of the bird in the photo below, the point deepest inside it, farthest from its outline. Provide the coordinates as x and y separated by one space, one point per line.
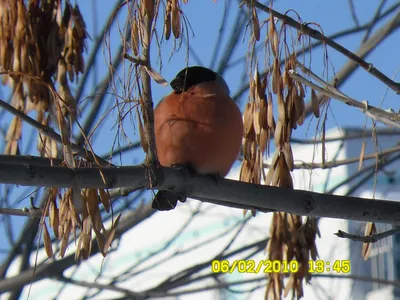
197 125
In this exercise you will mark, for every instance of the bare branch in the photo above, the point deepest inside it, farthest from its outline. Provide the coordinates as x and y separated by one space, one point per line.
388 118
315 34
368 238
49 132
336 163
56 268
25 212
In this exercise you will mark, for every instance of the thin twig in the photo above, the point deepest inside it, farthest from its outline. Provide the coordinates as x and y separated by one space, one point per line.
388 118
146 95
336 163
49 132
368 238
366 48
374 20
315 34
24 212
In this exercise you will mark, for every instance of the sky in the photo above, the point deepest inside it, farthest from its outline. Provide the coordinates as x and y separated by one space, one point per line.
204 17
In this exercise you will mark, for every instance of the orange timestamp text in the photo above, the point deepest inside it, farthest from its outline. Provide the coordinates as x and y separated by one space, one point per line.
277 266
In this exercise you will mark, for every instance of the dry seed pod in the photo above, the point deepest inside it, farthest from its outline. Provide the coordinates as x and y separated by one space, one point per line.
248 117
279 133
281 109
110 234
247 148
256 121
156 76
135 38
287 150
149 6
105 199
370 229
263 139
53 217
274 41
176 19
276 77
47 241
285 179
167 22
270 112
256 25
362 154
263 114
271 170
314 103
245 171
252 84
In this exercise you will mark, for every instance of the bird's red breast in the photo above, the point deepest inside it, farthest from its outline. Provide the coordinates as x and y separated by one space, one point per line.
200 126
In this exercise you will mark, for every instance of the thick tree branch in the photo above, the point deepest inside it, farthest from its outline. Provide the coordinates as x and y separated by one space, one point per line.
205 188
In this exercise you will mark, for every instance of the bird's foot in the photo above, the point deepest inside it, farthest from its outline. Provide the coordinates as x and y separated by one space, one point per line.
188 167
166 200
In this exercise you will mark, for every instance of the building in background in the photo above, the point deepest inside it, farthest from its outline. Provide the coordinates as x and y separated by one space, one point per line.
169 243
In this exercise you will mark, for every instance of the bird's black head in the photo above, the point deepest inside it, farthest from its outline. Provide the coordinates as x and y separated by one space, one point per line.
191 76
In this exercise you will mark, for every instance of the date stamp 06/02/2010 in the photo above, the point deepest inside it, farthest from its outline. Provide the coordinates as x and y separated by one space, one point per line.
276 266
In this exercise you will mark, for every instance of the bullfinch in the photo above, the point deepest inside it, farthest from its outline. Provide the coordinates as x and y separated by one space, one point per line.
197 125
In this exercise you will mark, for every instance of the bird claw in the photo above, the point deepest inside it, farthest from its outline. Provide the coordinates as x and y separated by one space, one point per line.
188 167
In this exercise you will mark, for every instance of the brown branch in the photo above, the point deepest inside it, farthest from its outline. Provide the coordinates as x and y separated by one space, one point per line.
367 238
336 163
315 34
49 132
146 95
351 134
24 212
365 49
388 118
127 293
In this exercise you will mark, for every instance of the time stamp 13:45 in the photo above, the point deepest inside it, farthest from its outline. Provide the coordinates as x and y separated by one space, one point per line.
277 266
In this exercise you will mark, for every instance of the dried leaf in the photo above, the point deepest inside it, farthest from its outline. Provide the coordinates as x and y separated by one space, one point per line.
167 23
176 19
362 154
149 6
370 229
256 25
156 76
248 117
287 150
110 234
278 134
315 104
105 199
47 241
270 112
